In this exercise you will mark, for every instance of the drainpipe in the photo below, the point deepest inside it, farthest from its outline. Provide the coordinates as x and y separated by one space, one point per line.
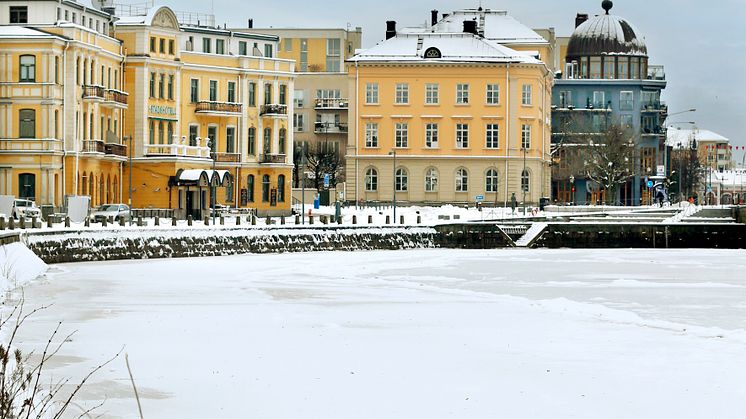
507 133
357 135
64 124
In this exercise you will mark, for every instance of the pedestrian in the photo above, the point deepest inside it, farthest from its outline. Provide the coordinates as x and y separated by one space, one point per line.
660 196
513 203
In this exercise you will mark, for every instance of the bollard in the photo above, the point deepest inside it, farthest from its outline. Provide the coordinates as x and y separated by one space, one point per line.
238 220
297 220
354 219
67 222
111 220
104 222
50 224
121 221
207 220
87 222
2 223
253 220
370 219
33 222
388 219
324 219
189 220
310 219
157 221
339 220
419 219
222 220
282 220
268 221
22 222
401 219
12 223
173 221
139 221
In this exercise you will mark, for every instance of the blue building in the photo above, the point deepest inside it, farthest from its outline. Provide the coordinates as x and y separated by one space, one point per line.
606 80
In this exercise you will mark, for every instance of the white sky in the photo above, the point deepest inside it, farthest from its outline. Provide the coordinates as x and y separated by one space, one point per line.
701 44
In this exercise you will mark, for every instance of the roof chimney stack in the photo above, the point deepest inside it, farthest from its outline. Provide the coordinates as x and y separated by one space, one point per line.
390 29
433 17
580 18
251 23
470 26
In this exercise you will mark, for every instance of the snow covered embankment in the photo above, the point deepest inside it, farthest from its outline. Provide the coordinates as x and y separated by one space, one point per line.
18 266
82 246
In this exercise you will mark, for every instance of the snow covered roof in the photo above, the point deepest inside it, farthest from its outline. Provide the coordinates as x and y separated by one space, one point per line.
451 47
606 34
167 18
495 25
203 177
24 32
677 136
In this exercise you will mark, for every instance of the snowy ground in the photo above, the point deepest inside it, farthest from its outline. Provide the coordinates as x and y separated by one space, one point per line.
409 334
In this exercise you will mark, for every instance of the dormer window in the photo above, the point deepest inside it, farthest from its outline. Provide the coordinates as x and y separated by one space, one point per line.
432 53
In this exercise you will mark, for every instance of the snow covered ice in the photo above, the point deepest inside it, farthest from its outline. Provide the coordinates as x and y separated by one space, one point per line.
411 334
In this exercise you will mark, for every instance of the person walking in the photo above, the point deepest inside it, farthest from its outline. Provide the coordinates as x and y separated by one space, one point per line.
513 203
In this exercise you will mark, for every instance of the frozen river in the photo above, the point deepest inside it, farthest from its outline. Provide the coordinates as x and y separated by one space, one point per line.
410 334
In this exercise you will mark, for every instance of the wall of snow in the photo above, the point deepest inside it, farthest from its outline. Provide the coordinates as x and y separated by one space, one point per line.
99 245
18 264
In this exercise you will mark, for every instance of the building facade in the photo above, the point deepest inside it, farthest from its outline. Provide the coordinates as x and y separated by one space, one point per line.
606 80
445 116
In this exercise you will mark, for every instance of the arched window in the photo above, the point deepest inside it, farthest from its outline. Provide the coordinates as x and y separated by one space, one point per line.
431 180
267 141
160 132
265 188
170 138
432 53
281 188
115 190
490 180
250 188
371 180
27 123
101 190
27 69
402 179
281 147
151 133
229 191
525 181
462 180
252 141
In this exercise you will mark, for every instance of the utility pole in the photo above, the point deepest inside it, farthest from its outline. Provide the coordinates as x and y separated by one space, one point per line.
524 187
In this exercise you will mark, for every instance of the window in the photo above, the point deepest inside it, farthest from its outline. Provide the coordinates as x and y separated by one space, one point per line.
493 94
371 93
152 84
332 55
75 17
525 181
170 137
281 188
431 135
599 99
250 188
152 44
526 95
281 141
194 91
401 179
213 90
462 135
265 188
151 132
490 181
27 68
371 135
161 86
462 94
219 46
304 55
626 121
170 87
431 94
242 48
634 68
462 180
525 136
267 93
27 123
171 46
59 14
402 93
206 45
232 92
623 68
298 122
252 141
371 180
565 99
401 133
595 68
267 140
298 98
252 94
230 140
626 101
162 46
67 15
193 134
283 94
212 135
492 136
288 44
431 180
160 132
609 67
268 50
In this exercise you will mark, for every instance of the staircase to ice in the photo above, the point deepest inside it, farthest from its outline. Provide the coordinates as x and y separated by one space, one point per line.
531 234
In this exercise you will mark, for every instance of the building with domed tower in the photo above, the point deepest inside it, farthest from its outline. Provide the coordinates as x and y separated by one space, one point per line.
606 80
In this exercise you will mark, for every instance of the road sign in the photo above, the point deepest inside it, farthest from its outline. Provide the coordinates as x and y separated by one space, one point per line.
479 198
650 184
326 180
661 170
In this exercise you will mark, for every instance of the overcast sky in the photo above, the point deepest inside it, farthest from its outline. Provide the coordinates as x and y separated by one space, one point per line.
702 44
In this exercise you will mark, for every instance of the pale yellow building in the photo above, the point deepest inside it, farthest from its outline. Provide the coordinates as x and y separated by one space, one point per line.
446 116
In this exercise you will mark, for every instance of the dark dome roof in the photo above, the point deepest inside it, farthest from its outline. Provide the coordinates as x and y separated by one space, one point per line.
605 34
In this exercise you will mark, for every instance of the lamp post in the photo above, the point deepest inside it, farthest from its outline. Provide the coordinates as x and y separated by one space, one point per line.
393 153
524 187
572 189
213 195
129 199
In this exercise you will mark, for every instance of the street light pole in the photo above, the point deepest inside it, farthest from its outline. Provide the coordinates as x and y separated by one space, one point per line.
393 153
523 188
213 195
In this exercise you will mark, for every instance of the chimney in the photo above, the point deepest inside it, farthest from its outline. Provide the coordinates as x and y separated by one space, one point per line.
580 18
433 17
251 23
470 26
390 29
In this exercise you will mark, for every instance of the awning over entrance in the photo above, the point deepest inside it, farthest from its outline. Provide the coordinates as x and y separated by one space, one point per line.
200 177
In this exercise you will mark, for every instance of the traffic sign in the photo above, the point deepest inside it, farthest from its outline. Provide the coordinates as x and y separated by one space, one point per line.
479 198
650 184
326 180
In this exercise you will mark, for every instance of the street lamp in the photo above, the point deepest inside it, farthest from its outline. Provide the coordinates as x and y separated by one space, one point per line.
572 189
393 153
523 187
213 194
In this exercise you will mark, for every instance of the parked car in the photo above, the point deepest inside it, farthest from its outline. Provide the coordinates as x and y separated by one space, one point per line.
111 212
26 209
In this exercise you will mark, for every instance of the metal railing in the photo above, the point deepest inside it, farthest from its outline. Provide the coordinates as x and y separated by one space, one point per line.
334 103
93 92
272 158
218 107
656 72
330 128
117 96
93 146
654 106
226 157
115 149
273 109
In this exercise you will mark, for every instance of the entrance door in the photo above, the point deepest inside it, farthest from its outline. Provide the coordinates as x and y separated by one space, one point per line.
27 186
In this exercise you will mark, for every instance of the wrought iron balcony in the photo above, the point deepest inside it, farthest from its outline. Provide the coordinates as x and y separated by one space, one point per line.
226 157
274 110
330 128
337 103
115 98
218 108
272 158
93 92
115 149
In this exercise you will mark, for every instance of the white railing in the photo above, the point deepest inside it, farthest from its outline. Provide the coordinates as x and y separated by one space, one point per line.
180 148
30 144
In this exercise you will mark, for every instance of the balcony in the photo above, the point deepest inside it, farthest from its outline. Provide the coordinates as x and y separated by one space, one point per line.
115 149
272 158
115 99
330 128
332 104
656 72
226 157
30 145
274 111
654 107
214 108
179 149
93 146
93 93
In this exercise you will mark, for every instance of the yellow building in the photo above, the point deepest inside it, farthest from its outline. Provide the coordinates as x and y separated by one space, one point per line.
449 117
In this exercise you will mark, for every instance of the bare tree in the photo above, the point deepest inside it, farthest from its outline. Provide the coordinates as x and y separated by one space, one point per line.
610 160
320 160
688 170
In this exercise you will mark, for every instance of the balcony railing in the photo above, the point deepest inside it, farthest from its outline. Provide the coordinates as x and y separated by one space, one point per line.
115 149
93 92
274 109
654 106
330 128
332 103
224 108
116 97
93 146
272 158
24 145
226 157
176 150
656 72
